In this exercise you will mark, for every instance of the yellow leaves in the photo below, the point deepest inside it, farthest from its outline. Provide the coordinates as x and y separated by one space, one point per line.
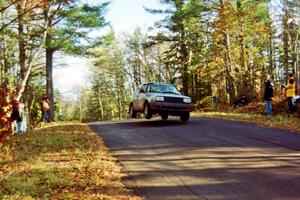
33 3
239 36
235 52
218 36
218 61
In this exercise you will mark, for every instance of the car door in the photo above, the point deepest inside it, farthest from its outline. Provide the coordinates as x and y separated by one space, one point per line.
135 99
142 97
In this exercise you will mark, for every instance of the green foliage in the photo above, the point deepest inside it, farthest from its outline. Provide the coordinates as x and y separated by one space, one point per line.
182 29
71 33
106 99
228 43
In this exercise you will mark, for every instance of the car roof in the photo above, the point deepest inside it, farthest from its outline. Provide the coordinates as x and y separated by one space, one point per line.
150 83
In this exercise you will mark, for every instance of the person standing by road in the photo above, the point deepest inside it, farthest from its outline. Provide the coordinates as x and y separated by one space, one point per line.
45 107
214 91
290 92
268 94
16 117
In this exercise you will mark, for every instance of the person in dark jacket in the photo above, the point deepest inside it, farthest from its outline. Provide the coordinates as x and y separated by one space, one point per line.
15 116
268 94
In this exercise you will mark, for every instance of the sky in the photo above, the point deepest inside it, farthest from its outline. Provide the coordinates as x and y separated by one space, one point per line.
70 73
125 15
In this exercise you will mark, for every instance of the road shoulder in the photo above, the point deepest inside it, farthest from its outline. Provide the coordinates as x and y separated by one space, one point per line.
62 162
280 122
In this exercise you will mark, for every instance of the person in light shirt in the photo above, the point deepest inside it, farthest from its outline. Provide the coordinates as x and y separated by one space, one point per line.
45 107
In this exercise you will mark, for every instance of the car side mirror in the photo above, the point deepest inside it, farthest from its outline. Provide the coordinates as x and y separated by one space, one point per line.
142 91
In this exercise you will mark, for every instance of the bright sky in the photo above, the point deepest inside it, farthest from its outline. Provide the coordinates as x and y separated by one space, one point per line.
70 73
124 16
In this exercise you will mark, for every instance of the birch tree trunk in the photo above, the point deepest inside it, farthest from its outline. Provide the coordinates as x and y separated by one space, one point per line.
29 63
100 103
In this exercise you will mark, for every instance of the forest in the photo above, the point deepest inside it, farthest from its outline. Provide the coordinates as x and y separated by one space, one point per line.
227 46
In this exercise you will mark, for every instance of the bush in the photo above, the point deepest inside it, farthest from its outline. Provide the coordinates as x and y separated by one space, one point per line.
5 109
5 129
204 104
279 105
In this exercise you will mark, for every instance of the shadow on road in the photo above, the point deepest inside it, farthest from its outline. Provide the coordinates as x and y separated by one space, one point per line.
141 122
206 159
156 123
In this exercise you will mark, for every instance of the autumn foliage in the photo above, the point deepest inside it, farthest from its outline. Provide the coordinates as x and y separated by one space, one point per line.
62 161
33 3
5 108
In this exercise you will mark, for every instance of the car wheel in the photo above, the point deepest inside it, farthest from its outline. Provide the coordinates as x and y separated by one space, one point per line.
164 116
147 111
132 112
185 117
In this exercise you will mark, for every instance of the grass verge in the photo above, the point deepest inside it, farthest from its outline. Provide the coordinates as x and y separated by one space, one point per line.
278 121
61 162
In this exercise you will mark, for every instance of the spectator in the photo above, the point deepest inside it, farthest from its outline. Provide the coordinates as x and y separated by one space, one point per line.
290 93
214 97
268 94
214 102
15 116
45 108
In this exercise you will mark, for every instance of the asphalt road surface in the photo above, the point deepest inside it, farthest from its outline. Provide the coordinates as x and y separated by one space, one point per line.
205 159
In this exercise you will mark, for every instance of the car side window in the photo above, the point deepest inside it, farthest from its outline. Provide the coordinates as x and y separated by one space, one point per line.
147 88
143 89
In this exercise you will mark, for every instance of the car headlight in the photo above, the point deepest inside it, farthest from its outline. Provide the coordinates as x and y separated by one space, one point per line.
187 100
159 98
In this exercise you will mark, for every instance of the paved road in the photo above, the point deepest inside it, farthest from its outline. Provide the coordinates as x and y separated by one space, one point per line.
205 159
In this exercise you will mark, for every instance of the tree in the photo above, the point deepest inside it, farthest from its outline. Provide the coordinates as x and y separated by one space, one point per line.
182 22
241 42
108 91
69 25
144 64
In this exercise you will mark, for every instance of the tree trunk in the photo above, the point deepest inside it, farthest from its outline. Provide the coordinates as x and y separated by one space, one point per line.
100 103
80 110
119 105
297 67
184 62
22 59
29 65
286 41
242 44
229 78
49 66
22 45
49 80
271 54
3 65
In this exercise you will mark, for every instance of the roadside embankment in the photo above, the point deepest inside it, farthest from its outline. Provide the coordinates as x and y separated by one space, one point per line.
63 161
278 121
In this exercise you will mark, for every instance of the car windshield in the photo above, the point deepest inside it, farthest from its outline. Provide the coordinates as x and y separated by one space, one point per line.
163 88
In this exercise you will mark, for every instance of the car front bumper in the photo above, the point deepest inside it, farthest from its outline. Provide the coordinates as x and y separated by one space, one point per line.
170 108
